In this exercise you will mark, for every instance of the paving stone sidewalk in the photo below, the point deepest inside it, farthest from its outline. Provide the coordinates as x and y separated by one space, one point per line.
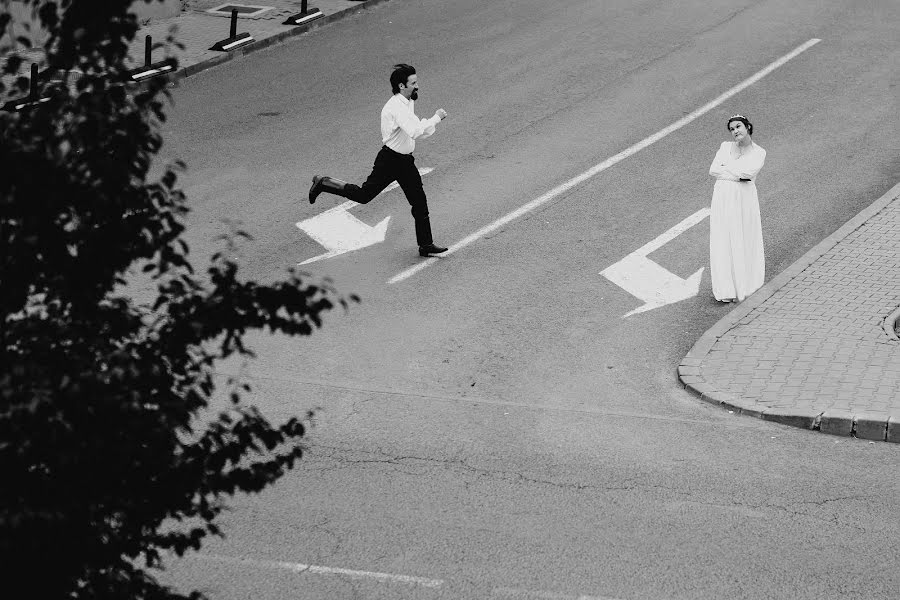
816 347
198 29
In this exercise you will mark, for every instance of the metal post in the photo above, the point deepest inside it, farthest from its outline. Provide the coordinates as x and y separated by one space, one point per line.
233 22
32 95
147 52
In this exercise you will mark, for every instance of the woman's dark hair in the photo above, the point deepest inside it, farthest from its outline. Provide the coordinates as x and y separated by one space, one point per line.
743 120
400 75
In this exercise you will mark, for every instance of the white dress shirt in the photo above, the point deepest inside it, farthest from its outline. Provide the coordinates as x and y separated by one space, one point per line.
400 127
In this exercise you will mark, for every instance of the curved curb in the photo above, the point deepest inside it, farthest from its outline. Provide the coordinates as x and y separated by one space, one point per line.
266 42
890 324
863 425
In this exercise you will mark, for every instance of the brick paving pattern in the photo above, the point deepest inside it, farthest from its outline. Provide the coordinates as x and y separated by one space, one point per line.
198 29
821 351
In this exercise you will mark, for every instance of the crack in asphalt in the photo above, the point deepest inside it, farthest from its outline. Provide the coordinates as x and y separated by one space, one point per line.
401 464
478 473
788 509
323 526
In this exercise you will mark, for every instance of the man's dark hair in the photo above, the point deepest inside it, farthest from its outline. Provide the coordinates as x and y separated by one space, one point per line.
400 75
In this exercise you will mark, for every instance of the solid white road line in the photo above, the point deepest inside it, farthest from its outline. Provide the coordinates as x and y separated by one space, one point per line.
674 232
320 570
564 187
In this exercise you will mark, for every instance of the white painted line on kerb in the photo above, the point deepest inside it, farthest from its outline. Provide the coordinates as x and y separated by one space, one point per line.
320 570
564 187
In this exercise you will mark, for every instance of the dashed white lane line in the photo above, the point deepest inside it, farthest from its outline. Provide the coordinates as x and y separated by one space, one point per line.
564 187
320 570
502 591
520 594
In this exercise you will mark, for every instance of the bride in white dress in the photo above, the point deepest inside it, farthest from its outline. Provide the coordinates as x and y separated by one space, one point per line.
736 260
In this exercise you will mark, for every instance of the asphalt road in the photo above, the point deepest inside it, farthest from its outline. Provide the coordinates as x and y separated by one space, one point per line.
492 426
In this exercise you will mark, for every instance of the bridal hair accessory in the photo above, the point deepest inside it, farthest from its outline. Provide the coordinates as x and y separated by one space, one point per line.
741 118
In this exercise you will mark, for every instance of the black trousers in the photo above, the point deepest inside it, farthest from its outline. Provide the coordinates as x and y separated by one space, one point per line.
389 167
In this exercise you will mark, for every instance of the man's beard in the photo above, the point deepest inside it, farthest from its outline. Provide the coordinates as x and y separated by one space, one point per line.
414 95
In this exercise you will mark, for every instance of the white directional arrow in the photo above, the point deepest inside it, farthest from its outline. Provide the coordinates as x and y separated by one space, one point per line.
654 285
340 232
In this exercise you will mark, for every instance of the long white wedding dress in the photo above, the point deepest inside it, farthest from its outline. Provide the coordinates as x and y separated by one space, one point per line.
736 260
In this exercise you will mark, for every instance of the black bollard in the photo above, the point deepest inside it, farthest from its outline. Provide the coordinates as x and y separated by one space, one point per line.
234 40
33 93
151 69
32 99
307 13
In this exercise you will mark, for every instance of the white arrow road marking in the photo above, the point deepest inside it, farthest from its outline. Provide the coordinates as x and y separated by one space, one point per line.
341 232
599 168
644 279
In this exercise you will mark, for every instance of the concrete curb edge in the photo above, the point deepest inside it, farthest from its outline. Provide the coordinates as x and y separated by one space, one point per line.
834 422
270 40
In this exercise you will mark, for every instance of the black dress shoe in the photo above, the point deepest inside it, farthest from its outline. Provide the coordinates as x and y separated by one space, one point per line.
316 188
431 249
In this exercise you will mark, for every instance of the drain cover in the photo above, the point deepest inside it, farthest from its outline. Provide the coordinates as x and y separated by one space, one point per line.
244 10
